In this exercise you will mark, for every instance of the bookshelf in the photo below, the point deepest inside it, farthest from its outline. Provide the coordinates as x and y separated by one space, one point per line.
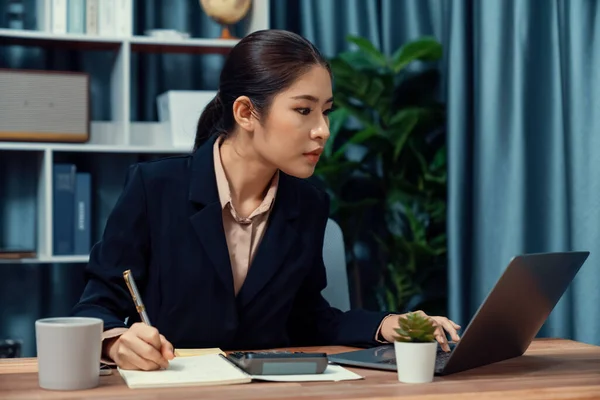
26 168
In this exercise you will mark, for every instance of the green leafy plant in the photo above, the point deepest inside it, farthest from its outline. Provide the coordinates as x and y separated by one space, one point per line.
415 327
384 167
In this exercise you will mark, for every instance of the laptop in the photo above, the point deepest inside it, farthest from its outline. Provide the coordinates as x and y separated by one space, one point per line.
506 322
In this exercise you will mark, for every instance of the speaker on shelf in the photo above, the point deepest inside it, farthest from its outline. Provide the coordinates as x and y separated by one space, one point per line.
44 106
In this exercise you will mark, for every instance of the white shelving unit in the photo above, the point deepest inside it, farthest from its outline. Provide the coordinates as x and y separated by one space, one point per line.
113 144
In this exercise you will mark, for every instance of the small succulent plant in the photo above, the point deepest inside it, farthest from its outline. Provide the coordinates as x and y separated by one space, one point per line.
414 327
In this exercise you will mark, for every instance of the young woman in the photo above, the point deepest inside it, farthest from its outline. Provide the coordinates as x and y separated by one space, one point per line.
225 244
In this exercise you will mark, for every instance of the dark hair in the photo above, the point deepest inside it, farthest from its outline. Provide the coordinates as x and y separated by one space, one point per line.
261 65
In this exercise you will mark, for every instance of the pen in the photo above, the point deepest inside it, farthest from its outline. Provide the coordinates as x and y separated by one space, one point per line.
137 299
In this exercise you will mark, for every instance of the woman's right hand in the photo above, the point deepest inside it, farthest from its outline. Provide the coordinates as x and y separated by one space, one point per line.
141 347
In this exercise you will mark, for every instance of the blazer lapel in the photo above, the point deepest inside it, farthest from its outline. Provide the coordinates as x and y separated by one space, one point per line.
279 237
208 220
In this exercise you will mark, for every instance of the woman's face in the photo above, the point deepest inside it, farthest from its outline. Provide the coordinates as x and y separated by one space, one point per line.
292 135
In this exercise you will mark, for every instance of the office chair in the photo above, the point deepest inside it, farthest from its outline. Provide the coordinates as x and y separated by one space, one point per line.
334 257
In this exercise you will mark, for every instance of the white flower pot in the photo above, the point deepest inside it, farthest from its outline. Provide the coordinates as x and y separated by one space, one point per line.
415 361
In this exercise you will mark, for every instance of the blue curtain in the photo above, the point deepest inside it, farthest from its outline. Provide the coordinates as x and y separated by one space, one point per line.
523 96
386 23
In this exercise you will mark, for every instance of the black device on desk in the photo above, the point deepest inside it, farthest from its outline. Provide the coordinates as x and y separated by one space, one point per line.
279 362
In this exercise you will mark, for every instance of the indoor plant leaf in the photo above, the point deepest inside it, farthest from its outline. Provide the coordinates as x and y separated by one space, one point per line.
405 120
343 100
368 48
439 160
341 69
337 119
423 49
374 91
360 60
357 138
336 169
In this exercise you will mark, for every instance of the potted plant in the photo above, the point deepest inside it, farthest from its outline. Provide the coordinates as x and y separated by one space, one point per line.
415 347
384 168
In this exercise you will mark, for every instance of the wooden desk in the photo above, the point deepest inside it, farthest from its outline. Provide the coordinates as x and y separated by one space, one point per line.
550 369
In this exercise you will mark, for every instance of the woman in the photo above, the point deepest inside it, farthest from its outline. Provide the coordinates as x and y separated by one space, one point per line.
225 244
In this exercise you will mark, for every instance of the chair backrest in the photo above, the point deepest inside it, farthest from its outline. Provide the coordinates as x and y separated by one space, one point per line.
334 257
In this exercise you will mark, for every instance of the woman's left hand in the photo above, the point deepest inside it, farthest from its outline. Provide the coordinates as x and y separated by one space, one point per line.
443 324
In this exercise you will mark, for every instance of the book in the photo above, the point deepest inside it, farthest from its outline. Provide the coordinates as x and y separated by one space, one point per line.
58 16
63 208
83 214
15 254
212 369
215 369
76 16
91 17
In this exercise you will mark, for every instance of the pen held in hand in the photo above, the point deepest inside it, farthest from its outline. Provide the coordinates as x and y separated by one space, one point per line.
137 299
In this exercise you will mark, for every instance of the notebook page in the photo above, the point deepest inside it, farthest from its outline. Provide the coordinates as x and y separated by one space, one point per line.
210 369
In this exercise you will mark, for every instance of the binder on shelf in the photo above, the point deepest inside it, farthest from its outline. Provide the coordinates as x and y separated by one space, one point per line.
71 211
82 218
63 201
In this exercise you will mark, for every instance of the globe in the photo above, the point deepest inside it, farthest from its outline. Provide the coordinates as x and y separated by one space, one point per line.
226 12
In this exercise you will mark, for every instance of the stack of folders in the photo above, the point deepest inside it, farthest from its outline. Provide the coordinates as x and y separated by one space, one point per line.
210 367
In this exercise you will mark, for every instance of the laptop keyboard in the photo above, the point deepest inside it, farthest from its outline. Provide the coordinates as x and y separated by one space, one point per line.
441 359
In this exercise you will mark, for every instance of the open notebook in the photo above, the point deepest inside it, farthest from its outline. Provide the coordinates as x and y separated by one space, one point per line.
211 369
215 369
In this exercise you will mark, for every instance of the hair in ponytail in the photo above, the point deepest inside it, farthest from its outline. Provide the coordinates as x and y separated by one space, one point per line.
260 66
210 122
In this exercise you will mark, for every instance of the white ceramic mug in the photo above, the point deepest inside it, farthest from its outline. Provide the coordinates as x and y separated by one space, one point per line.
68 352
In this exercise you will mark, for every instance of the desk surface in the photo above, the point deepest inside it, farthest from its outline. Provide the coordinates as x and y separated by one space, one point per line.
550 369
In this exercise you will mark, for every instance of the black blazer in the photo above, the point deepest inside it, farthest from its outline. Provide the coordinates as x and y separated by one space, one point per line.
167 228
